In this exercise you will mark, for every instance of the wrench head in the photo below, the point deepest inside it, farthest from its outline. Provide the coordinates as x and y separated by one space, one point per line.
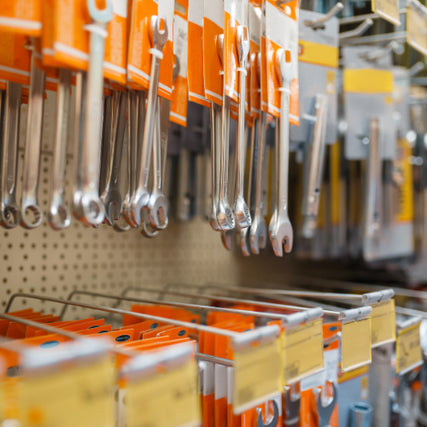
139 204
89 209
225 216
325 412
284 67
158 32
243 239
281 234
227 239
258 235
10 215
241 213
31 214
158 207
149 231
59 217
102 16
113 206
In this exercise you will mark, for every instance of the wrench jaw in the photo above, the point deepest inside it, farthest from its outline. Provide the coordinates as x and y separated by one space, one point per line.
31 214
89 209
158 208
225 216
139 205
241 213
9 214
112 201
244 243
281 235
58 215
227 239
258 235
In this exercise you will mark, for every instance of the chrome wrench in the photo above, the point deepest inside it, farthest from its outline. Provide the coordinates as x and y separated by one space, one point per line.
87 204
59 216
280 228
159 36
310 206
9 173
215 112
31 213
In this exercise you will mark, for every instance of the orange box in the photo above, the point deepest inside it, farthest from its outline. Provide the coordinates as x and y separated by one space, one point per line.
21 17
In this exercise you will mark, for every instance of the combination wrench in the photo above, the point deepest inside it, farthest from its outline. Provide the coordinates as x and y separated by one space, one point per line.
31 213
88 207
58 215
9 172
159 35
215 112
280 228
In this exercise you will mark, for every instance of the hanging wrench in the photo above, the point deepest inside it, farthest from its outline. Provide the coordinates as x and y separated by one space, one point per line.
281 229
159 35
111 196
225 215
31 213
87 204
310 207
215 112
325 412
241 210
58 216
9 172
258 230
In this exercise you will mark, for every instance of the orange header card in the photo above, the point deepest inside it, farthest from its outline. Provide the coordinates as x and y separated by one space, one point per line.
124 335
213 27
101 329
21 16
174 333
140 58
138 328
281 32
15 58
196 85
178 112
18 330
254 60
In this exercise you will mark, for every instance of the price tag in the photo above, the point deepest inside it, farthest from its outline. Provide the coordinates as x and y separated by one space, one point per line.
416 24
167 399
79 395
303 351
256 375
356 344
408 349
387 9
383 323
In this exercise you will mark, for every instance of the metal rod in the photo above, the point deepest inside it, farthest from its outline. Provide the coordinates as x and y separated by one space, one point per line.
319 22
214 359
411 312
359 18
379 38
360 29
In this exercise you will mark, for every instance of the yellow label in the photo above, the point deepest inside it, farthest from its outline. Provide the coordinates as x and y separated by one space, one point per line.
383 323
319 54
2 398
416 23
81 396
355 344
256 375
334 173
368 81
387 9
168 399
408 348
405 189
304 351
330 82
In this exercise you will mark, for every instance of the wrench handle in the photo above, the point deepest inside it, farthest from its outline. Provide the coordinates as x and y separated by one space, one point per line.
260 164
283 152
241 142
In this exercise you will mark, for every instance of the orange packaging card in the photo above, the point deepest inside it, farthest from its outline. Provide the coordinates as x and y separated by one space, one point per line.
140 327
213 27
74 327
178 112
196 85
31 332
254 60
101 329
118 337
18 330
154 332
15 58
21 16
138 343
281 32
174 333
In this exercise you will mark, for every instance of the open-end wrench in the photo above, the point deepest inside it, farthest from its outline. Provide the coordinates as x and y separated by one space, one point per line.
87 203
280 229
59 216
31 213
325 412
258 230
111 196
241 210
216 160
225 215
159 35
9 217
310 205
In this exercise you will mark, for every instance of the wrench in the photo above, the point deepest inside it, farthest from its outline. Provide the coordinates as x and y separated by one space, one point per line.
31 213
325 412
87 204
9 172
108 126
59 216
280 228
111 196
215 112
241 210
258 231
310 207
159 35
225 215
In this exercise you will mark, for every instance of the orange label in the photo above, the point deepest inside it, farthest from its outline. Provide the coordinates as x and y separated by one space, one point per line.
15 58
21 16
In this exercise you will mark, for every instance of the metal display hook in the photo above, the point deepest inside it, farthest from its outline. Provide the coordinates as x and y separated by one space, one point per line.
359 30
318 23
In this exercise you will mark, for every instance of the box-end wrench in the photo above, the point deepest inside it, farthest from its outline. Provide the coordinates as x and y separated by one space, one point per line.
10 214
310 204
280 229
59 216
373 217
241 210
31 213
258 230
88 206
111 196
158 32
225 216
